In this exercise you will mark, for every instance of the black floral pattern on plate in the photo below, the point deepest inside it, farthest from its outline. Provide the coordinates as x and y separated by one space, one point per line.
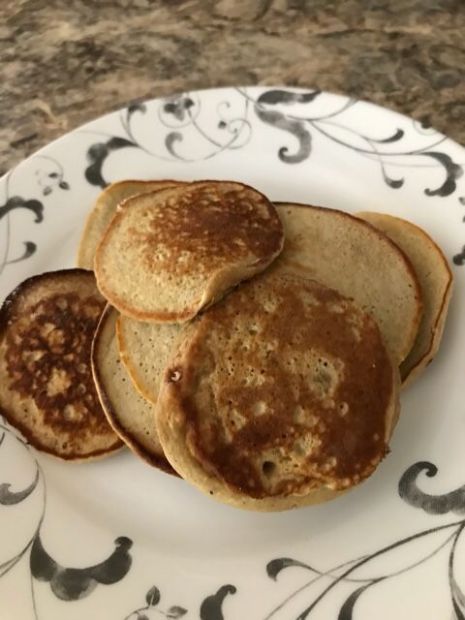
97 155
10 204
179 107
67 584
211 607
287 111
268 108
300 126
47 182
72 584
349 572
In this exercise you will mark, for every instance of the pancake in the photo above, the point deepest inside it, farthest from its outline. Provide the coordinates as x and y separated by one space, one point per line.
145 349
281 395
104 210
168 254
351 256
131 416
46 390
436 283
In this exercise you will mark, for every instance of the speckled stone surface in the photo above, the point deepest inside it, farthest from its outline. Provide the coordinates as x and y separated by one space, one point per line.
63 63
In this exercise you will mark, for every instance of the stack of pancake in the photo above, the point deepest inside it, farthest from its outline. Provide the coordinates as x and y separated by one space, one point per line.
257 350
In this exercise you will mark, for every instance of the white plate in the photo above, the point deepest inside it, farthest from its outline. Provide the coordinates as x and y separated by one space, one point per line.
141 544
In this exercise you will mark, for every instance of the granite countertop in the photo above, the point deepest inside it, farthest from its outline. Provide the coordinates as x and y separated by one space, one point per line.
64 63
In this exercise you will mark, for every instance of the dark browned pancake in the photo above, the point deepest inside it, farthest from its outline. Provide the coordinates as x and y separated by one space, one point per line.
281 395
46 390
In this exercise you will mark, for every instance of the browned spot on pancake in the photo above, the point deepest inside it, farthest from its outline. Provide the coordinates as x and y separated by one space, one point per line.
300 404
167 254
48 360
215 226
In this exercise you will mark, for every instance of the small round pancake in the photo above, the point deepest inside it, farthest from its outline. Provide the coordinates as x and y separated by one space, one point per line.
103 211
170 253
351 256
145 349
131 416
436 283
281 395
47 391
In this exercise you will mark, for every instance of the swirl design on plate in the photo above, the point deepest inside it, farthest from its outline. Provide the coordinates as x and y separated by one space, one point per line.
211 607
184 122
66 584
72 584
281 109
348 582
49 176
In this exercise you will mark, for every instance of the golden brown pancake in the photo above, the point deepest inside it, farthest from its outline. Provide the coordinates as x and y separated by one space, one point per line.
168 254
46 390
351 256
145 349
436 283
281 395
131 416
103 211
